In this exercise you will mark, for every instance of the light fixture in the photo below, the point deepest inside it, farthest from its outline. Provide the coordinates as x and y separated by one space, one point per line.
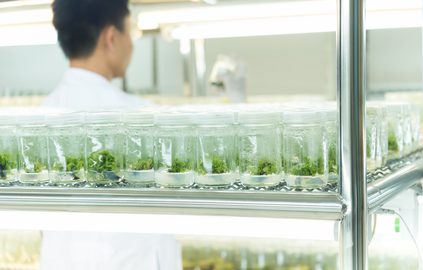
31 16
391 14
273 18
33 34
149 20
170 224
24 3
261 27
26 26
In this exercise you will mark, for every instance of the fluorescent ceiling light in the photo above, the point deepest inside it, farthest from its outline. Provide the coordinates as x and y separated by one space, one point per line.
391 14
26 17
27 27
24 3
274 18
170 224
262 27
149 20
35 34
381 5
393 19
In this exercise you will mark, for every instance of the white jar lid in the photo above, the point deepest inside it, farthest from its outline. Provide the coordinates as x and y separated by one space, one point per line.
327 113
65 118
257 118
214 118
394 106
28 119
138 117
302 117
173 119
103 117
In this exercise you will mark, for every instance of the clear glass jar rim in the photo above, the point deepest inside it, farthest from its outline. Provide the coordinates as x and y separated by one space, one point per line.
257 117
173 119
104 117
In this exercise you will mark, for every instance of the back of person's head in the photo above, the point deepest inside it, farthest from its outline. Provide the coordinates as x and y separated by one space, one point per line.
79 23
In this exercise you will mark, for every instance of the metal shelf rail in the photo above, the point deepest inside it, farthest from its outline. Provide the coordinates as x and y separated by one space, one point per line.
245 203
386 188
324 206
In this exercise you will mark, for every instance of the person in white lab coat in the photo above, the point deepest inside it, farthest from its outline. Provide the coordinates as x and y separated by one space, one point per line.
95 37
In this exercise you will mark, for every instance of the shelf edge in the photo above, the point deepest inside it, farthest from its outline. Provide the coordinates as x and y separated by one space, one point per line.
386 188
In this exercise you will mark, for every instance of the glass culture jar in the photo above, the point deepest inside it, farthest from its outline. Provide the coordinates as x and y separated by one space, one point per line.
174 150
33 151
382 134
330 132
104 148
66 144
305 149
395 118
216 152
415 126
407 129
139 148
259 149
8 150
377 135
373 155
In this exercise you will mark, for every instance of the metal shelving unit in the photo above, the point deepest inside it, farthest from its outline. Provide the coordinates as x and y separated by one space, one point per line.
351 205
323 206
386 188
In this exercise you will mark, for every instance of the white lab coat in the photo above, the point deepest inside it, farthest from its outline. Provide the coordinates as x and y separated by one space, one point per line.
84 90
108 251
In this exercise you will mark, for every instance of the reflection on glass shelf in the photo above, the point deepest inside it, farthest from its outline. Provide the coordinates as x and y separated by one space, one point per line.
391 235
264 254
21 250
257 254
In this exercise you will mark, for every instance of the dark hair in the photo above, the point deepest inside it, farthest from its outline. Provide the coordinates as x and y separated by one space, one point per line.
80 22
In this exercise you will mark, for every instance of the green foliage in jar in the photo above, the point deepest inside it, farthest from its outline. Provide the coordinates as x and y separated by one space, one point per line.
219 166
332 159
201 170
368 148
6 163
308 167
142 164
264 167
392 142
102 161
73 164
180 166
36 167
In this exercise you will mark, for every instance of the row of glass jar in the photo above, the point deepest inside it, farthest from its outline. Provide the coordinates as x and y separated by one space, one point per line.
170 149
392 130
213 147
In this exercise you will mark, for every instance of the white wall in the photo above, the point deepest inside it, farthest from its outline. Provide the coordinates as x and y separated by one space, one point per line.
140 72
394 59
170 68
31 68
290 64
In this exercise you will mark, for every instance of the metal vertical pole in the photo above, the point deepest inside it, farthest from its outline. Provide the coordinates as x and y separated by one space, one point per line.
351 102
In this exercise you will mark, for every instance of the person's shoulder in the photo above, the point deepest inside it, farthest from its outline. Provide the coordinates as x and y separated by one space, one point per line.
54 97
